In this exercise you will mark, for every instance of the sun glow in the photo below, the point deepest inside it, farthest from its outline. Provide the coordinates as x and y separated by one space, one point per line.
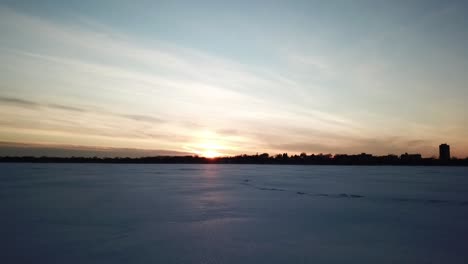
210 150
209 145
210 153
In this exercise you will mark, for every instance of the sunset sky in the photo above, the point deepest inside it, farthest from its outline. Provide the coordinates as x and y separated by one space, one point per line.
133 78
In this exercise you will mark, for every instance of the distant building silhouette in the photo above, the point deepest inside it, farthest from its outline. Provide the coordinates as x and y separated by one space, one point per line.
264 158
444 152
410 157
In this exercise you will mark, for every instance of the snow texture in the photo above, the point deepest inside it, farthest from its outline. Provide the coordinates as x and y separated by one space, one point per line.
97 213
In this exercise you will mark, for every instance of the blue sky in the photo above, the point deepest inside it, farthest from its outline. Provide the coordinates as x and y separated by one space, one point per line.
223 78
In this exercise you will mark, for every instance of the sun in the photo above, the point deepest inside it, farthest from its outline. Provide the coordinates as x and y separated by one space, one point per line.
208 144
210 149
210 153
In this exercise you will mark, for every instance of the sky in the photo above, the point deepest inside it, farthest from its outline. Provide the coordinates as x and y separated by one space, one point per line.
138 78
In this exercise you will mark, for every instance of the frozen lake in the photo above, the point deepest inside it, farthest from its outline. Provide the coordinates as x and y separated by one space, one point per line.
96 213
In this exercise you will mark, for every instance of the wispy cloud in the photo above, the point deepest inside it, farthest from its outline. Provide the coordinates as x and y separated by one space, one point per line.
19 102
183 76
379 146
31 104
57 150
143 118
65 107
82 78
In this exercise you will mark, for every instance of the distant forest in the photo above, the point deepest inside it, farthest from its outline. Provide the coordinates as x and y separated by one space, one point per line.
302 159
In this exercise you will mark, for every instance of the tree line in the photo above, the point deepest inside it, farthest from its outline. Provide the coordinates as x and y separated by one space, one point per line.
265 158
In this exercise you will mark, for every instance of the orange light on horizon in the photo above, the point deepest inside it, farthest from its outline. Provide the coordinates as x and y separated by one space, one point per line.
210 149
207 150
209 145
210 154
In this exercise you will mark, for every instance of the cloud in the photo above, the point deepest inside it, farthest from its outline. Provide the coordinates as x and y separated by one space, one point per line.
143 118
66 108
160 91
351 145
418 142
54 150
185 70
227 131
32 104
18 102
303 147
184 76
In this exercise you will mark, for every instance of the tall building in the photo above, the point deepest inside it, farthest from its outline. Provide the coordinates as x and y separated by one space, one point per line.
444 152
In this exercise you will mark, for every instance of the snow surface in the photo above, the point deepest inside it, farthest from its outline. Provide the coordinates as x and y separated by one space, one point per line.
96 213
